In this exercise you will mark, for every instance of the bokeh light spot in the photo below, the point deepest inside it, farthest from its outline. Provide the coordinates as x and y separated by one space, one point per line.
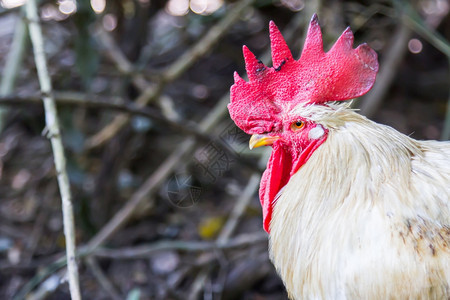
98 6
109 22
67 7
415 46
8 4
177 7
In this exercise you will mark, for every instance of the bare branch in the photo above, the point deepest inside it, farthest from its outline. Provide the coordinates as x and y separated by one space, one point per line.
102 279
172 72
446 131
183 126
239 208
13 64
53 129
166 168
392 59
144 251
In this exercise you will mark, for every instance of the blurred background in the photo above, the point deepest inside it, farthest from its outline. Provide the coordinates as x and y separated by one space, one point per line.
164 186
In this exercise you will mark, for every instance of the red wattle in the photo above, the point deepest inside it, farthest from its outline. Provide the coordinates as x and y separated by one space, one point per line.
275 176
280 167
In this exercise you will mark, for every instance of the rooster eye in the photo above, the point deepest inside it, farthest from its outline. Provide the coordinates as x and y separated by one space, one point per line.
297 125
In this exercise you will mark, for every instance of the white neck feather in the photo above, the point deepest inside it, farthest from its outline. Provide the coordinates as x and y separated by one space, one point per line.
344 226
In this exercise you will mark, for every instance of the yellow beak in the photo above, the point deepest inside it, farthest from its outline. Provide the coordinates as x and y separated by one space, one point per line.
258 140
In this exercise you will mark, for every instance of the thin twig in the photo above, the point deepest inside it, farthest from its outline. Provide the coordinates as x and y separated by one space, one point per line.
236 214
142 194
53 129
102 279
388 70
35 235
416 23
172 72
92 101
239 208
145 191
199 283
47 287
206 43
446 131
144 251
161 174
393 57
141 252
121 61
40 277
13 64
182 126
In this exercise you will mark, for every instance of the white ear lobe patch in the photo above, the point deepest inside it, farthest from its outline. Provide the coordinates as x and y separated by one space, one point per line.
316 133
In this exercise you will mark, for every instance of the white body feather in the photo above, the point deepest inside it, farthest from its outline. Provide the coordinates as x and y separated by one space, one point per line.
368 215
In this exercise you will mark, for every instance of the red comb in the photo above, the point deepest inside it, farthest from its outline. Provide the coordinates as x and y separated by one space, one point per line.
317 77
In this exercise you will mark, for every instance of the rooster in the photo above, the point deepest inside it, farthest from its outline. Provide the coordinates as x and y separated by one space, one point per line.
354 209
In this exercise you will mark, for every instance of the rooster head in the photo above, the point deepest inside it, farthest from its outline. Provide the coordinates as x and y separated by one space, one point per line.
276 105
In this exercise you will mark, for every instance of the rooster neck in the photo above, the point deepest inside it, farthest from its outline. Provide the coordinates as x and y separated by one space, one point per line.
357 155
282 165
354 207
